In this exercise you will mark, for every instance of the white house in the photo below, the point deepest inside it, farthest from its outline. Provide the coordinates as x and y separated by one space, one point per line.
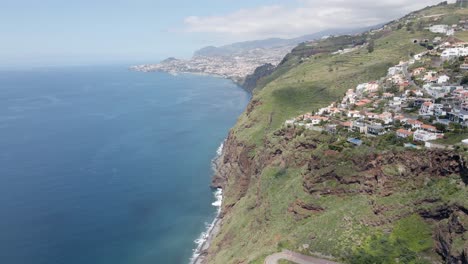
427 109
315 120
355 114
403 133
454 53
415 124
367 87
394 70
430 76
289 122
421 135
419 55
435 91
386 117
443 79
439 29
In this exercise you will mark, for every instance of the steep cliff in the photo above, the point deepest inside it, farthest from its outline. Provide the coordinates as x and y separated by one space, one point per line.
313 192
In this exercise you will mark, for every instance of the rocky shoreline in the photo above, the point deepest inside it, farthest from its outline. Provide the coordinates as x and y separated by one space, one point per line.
202 250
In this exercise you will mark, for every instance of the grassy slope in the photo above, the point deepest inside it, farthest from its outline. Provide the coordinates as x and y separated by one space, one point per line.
260 224
310 85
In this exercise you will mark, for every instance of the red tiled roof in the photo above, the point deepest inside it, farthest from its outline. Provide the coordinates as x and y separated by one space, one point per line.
429 127
347 124
414 122
404 132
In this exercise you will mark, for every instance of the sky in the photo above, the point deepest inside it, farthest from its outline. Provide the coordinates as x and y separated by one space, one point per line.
58 32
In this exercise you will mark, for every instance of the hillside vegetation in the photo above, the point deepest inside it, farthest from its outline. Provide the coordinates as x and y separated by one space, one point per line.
314 193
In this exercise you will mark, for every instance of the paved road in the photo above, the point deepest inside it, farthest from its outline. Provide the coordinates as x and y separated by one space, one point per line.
296 258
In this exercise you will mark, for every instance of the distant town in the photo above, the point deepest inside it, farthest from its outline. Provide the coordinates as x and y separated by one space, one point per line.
235 66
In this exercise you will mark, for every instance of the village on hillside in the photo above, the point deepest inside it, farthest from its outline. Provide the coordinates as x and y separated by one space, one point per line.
423 102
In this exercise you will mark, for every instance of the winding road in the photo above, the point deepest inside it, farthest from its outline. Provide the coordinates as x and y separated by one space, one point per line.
296 258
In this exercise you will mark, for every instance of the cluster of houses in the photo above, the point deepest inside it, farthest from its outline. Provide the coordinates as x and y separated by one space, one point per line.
408 110
448 30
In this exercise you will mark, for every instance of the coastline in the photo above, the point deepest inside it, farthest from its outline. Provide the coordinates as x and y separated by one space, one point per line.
238 82
205 239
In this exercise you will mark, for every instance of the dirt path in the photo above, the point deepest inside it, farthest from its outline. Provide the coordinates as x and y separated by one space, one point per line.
296 258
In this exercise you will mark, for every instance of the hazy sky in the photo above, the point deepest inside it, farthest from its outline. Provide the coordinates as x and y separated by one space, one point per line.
56 32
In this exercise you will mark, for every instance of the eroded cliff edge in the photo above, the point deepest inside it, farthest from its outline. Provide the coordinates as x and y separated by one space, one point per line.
334 202
314 193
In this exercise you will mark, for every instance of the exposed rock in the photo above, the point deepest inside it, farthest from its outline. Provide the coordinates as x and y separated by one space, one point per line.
381 173
302 210
451 238
251 80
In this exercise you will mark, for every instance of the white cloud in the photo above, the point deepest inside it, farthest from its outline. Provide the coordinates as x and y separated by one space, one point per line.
308 16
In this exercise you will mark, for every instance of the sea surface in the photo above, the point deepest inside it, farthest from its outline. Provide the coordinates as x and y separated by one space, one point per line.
101 165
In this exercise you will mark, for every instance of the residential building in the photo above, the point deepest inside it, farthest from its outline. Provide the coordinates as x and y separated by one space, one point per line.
415 124
427 109
316 120
429 128
375 130
430 76
459 116
421 135
359 127
290 122
418 71
386 117
443 79
439 29
454 53
403 133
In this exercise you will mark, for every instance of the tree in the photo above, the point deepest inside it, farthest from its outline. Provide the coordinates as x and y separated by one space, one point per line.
464 80
456 127
441 127
371 46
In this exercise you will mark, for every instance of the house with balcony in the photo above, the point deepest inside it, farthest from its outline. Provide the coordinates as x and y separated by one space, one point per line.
359 127
403 133
415 124
375 129
421 135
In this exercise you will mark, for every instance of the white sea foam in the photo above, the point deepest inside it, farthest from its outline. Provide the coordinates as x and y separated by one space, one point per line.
204 236
220 150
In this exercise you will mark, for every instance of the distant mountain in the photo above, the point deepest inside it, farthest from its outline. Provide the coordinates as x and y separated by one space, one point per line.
241 47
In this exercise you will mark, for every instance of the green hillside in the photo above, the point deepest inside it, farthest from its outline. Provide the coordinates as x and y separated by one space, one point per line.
312 192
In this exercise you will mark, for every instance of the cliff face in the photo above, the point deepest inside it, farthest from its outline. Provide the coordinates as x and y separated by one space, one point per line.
314 193
251 81
387 187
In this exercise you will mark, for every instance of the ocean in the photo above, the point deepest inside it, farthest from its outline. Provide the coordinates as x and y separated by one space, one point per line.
104 165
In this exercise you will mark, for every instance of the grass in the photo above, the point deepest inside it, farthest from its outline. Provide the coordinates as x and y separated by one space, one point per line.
463 35
283 261
261 222
414 232
305 87
343 227
452 138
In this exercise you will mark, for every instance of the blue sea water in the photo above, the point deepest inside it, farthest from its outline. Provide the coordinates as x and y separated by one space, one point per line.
104 165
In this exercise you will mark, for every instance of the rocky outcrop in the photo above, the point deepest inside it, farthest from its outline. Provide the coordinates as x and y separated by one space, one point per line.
234 167
251 80
379 174
452 237
302 210
339 173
